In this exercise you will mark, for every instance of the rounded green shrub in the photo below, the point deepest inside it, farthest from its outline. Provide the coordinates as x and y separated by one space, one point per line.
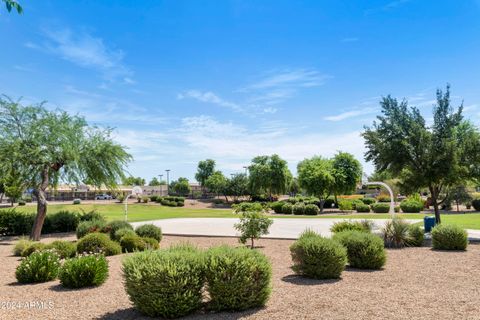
87 227
120 233
380 207
277 206
449 237
151 243
368 201
63 221
411 206
91 215
131 243
98 243
237 278
84 271
33 247
318 258
287 208
345 205
476 204
416 234
312 210
41 266
65 249
362 207
350 225
364 250
21 245
149 231
115 225
165 283
299 209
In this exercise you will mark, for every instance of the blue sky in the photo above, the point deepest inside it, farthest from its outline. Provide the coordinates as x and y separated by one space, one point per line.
181 81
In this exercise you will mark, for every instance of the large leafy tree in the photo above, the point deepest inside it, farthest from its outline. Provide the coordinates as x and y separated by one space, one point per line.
237 186
40 148
315 176
347 172
217 183
133 181
11 4
204 170
269 174
181 186
437 156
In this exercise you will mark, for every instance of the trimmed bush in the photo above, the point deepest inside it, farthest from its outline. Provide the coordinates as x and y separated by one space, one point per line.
317 257
91 215
62 221
312 210
383 198
476 204
120 233
449 237
87 227
368 201
33 247
411 206
165 283
149 231
115 225
65 249
277 206
151 243
237 278
360 207
77 201
84 271
38 267
364 250
380 207
98 243
345 205
299 209
21 245
13 222
349 225
287 208
416 234
131 243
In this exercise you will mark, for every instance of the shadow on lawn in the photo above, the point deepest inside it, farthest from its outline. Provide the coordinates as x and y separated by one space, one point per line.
304 281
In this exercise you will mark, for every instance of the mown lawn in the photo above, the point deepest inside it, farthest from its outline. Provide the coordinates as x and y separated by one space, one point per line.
142 212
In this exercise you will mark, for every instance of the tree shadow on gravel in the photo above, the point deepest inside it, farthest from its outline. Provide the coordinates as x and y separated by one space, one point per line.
349 269
59 288
304 281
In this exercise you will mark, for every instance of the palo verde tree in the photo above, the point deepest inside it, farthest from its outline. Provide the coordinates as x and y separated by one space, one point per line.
437 156
42 147
11 4
269 174
204 170
315 176
347 172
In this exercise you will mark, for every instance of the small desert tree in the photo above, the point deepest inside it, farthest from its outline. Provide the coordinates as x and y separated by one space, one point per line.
253 222
40 147
269 174
217 183
204 170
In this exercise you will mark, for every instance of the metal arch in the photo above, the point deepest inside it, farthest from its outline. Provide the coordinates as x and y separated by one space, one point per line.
383 184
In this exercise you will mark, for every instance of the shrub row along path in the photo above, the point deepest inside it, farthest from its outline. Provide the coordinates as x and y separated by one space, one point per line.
407 288
284 228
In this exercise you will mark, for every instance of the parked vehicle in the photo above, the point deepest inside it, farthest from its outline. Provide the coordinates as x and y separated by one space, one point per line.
103 197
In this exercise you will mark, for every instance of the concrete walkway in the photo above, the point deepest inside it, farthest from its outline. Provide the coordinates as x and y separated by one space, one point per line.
281 228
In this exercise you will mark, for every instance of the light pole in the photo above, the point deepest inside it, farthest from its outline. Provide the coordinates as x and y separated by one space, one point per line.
246 170
168 181
160 186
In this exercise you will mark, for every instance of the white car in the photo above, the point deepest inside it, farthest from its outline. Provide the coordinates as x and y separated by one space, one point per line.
103 197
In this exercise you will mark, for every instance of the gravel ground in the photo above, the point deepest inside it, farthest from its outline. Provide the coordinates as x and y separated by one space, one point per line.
417 283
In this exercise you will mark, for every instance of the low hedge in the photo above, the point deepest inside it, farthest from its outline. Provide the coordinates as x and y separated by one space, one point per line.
368 201
312 210
476 204
84 271
449 237
237 278
362 207
364 250
298 209
287 208
411 206
40 266
317 257
380 207
98 243
87 227
277 206
350 225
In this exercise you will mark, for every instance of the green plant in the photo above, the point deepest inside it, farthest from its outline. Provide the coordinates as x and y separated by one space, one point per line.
64 249
383 198
317 257
21 245
345 205
360 207
237 278
350 225
131 243
380 207
449 237
87 227
416 234
368 201
98 243
91 215
165 283
13 222
312 210
21 202
396 233
120 233
63 221
299 209
277 206
411 206
38 267
287 208
77 201
33 247
84 271
151 243
115 225
252 226
476 204
149 231
364 250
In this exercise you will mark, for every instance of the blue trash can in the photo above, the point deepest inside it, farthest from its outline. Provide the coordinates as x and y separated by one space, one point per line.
428 223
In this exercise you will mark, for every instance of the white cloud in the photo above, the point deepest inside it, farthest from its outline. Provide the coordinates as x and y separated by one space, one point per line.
351 39
289 79
351 114
210 97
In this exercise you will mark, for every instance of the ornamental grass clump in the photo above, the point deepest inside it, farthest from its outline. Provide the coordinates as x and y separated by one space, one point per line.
449 237
398 233
317 257
40 266
84 271
237 278
21 245
364 250
165 283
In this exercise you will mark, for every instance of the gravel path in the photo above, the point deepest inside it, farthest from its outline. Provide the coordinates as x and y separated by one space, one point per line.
417 283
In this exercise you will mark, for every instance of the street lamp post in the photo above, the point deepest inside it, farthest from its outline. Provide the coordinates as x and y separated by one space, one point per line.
160 186
168 181
246 170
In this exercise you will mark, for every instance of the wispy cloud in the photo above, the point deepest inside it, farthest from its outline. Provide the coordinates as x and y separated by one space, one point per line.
209 97
387 6
85 50
295 78
351 114
352 39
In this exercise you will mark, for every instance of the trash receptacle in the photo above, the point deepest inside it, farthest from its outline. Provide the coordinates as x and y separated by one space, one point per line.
428 223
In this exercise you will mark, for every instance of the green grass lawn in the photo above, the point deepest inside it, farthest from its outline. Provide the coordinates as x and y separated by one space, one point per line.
142 212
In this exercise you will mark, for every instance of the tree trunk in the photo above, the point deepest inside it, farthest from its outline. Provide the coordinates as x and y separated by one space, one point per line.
322 202
252 243
434 194
41 206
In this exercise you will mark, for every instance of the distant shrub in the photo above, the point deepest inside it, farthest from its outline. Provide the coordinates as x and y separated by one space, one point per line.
84 271
411 206
131 243
98 243
345 205
416 235
449 237
364 250
115 225
64 249
476 204
362 207
350 225
299 209
149 231
383 198
287 208
21 245
317 257
368 201
396 209
145 199
380 207
120 233
77 201
38 267
87 227
165 283
277 206
14 222
63 221
248 207
396 233
312 210
91 215
237 278
21 202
